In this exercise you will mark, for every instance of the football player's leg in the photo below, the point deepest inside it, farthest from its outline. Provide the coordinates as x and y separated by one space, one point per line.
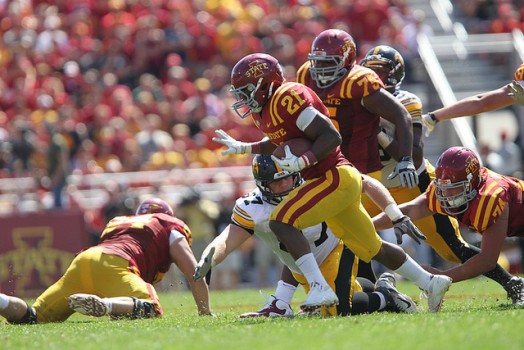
52 305
117 286
16 310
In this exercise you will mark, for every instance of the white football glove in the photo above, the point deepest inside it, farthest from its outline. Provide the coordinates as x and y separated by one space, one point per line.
429 121
233 146
404 225
291 162
517 92
204 265
407 172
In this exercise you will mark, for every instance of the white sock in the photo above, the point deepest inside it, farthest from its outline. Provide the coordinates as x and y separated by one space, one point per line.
285 291
309 267
4 301
109 305
411 270
382 298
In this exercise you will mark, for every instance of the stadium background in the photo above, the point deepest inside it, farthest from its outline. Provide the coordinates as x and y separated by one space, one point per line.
105 103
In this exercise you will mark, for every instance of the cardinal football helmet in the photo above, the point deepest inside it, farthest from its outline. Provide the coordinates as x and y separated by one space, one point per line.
519 73
387 59
154 205
457 168
266 171
332 55
253 80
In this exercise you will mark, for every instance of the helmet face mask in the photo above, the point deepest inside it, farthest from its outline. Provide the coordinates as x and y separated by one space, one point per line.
457 203
253 81
457 179
265 172
387 59
332 56
154 205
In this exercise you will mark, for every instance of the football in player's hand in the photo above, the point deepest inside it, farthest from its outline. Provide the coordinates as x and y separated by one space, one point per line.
297 146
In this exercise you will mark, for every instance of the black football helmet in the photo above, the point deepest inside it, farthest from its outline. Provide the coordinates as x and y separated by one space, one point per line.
266 171
154 205
388 59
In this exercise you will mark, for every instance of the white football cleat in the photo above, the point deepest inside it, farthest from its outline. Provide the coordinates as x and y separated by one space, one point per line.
319 295
87 304
273 308
435 290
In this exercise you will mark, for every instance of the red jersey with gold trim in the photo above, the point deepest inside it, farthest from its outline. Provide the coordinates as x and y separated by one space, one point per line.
143 240
278 121
494 193
357 125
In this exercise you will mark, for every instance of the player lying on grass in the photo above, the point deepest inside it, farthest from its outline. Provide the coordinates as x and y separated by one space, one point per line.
486 202
115 277
337 263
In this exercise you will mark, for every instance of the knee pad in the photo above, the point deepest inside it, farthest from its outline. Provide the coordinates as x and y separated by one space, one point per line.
143 309
29 317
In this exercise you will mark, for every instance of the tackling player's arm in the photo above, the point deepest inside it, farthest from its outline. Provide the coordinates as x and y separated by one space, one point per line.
216 251
402 224
182 256
227 241
490 247
415 209
485 102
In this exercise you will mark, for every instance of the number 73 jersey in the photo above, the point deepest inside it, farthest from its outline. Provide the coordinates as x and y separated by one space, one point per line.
252 214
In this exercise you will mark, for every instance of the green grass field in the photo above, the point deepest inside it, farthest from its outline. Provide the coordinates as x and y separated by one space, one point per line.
476 315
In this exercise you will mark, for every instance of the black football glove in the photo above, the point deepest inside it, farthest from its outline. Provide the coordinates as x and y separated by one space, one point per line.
404 225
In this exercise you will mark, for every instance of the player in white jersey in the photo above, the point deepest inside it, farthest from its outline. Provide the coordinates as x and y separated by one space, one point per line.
337 263
442 232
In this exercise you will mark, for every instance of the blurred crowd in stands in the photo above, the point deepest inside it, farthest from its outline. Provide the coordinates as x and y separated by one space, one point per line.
114 86
490 16
130 85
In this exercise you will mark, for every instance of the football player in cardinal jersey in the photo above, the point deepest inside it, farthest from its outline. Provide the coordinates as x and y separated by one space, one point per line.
442 231
507 95
115 277
356 99
488 203
331 192
337 263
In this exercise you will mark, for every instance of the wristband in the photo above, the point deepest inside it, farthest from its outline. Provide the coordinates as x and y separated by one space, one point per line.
393 212
432 116
384 139
309 158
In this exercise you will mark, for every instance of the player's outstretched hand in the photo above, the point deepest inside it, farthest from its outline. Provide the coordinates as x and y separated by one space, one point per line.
233 146
404 225
517 92
429 121
204 265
